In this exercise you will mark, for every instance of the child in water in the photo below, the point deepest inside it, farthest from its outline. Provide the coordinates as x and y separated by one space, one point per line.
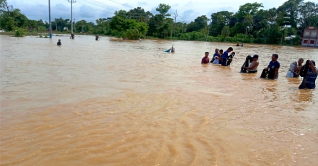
59 42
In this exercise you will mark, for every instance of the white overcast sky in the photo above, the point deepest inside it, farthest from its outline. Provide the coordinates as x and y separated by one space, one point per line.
91 10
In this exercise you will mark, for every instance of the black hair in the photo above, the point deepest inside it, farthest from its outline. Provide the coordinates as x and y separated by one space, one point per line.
230 48
276 55
207 52
255 56
221 50
313 62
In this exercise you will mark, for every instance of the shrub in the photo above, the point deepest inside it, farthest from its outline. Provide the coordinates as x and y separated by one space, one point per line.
19 32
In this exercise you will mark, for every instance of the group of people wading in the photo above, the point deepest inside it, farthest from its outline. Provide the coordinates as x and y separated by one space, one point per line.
307 71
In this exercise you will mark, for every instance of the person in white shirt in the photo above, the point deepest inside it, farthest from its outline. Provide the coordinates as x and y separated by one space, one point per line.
294 68
253 66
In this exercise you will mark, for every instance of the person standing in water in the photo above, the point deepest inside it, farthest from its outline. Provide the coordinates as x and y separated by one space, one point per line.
216 54
205 59
309 72
271 72
220 55
294 68
59 42
225 56
253 66
96 37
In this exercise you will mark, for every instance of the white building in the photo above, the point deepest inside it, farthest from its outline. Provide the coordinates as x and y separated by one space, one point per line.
310 37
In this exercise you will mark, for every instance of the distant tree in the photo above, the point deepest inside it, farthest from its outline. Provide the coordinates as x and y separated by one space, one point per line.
163 9
226 31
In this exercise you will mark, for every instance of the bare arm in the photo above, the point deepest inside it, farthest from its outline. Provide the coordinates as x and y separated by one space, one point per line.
276 73
312 67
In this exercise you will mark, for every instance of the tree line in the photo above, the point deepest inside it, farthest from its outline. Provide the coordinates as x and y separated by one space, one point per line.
250 24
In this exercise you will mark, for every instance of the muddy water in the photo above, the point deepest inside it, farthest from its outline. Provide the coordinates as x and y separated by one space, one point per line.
129 103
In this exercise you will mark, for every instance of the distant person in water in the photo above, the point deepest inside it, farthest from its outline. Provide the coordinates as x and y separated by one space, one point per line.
220 55
205 59
238 45
72 36
96 37
216 54
294 68
309 72
253 65
242 44
226 56
59 42
271 72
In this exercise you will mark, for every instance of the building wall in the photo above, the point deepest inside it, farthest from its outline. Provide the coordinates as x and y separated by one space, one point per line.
310 38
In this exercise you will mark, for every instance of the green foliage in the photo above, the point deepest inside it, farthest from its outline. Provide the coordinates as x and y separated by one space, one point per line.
226 31
163 9
198 24
129 28
42 28
19 32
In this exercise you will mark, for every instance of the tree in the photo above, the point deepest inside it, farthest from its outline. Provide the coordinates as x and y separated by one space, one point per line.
289 13
163 9
308 15
139 14
198 24
226 31
219 20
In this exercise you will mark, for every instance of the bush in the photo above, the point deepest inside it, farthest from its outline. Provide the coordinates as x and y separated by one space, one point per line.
19 32
259 40
132 34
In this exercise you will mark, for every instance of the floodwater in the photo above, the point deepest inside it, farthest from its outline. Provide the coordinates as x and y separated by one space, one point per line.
113 102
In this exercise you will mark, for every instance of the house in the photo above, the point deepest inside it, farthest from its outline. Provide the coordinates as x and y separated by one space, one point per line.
310 37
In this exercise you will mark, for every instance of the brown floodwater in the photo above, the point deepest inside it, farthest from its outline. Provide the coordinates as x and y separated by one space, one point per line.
113 102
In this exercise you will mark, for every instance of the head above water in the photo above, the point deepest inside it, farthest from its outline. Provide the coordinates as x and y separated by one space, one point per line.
206 54
300 61
221 51
313 62
216 50
230 49
255 57
274 57
59 40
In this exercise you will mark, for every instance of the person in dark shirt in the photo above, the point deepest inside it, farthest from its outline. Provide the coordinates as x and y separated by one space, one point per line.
216 54
205 59
96 37
225 56
271 72
309 80
221 54
59 42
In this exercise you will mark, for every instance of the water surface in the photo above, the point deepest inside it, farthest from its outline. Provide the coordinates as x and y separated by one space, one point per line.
112 102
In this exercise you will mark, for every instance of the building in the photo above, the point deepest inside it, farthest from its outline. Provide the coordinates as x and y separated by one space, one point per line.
310 37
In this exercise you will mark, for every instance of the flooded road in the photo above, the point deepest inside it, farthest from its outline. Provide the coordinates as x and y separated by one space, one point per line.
113 102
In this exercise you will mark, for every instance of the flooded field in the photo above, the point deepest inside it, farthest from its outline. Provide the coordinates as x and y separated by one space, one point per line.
128 103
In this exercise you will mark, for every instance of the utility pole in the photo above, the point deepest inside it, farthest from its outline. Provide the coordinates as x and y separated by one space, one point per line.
175 20
72 1
74 26
50 19
55 25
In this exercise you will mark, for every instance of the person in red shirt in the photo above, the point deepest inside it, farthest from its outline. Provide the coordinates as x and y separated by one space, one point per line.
205 59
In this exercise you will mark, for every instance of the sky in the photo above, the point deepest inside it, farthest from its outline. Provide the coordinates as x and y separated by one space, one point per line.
90 10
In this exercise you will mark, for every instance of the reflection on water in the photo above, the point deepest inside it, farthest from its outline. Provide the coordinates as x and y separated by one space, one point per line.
113 102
